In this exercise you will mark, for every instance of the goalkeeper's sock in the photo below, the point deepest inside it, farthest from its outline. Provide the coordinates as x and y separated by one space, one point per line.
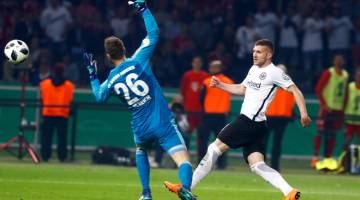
271 176
143 167
185 174
206 164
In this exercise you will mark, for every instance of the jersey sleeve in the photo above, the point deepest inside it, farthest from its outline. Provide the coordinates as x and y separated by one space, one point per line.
100 91
281 79
143 53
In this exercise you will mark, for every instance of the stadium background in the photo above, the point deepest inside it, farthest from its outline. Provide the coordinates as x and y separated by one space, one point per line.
188 28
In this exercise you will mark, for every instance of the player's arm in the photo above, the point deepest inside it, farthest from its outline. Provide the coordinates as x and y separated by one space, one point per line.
148 44
237 89
320 86
300 102
100 91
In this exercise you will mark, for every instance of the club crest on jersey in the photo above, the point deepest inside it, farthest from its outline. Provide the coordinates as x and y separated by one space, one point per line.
285 76
262 76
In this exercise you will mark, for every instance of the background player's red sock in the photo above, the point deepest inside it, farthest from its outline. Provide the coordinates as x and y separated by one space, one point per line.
317 142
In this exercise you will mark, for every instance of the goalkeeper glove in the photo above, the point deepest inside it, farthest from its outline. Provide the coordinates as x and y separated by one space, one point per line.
139 5
90 65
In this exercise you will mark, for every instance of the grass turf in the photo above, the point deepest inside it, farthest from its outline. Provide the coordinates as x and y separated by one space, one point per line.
24 181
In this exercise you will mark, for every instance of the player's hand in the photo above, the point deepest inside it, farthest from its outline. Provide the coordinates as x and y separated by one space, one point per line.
90 64
214 82
305 121
139 5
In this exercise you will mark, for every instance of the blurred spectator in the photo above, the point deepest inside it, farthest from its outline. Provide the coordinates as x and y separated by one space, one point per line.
172 26
356 44
27 27
266 21
120 23
190 87
216 106
279 114
288 39
164 65
56 97
330 91
312 46
245 38
339 34
201 32
56 20
71 70
40 71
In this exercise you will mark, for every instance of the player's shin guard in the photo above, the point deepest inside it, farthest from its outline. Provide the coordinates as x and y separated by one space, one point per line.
271 176
185 174
143 167
206 164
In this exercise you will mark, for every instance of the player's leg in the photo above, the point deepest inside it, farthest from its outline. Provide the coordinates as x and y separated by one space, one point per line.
203 135
317 139
143 167
257 165
254 153
46 137
220 123
205 166
61 126
277 143
349 132
172 142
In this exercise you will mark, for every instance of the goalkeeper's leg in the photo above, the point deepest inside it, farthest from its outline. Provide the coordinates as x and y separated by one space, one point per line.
143 167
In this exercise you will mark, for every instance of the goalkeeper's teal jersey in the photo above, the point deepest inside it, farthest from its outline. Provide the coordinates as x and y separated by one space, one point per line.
135 84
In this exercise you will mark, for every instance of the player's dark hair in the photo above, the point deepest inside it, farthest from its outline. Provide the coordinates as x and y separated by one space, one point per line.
267 43
114 47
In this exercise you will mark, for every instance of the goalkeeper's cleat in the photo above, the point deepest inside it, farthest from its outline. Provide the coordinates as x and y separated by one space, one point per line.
172 187
145 197
183 193
293 195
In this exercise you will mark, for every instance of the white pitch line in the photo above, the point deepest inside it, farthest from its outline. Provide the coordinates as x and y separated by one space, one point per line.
159 186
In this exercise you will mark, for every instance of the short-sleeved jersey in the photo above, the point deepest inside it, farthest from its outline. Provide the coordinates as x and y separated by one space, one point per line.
135 84
261 85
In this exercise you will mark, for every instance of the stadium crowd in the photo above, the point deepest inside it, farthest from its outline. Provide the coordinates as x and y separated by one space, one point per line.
307 34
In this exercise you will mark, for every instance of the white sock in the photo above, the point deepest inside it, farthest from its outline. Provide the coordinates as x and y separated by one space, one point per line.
271 176
206 164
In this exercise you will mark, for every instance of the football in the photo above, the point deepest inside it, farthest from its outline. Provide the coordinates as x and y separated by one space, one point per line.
16 51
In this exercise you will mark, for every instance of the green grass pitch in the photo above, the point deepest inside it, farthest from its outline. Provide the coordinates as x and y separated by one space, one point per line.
25 181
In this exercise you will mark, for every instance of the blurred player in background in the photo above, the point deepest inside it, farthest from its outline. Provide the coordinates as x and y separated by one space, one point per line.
352 110
216 106
134 83
190 87
330 91
249 129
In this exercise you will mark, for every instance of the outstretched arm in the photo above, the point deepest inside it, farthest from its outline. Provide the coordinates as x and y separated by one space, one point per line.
237 89
148 44
300 102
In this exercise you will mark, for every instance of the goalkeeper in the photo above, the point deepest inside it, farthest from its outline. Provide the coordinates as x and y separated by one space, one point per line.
134 83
